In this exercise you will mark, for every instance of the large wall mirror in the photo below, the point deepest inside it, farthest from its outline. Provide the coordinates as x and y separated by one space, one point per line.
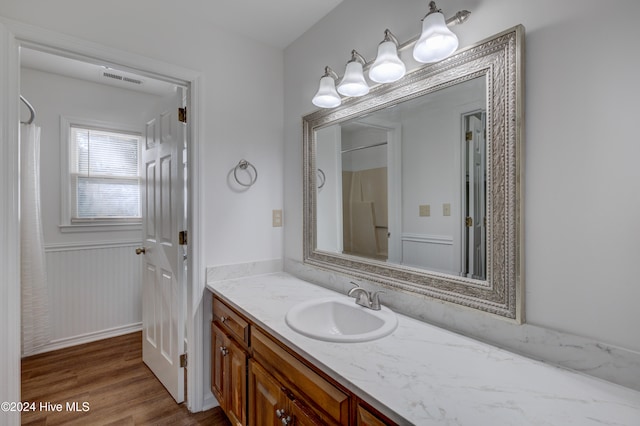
417 185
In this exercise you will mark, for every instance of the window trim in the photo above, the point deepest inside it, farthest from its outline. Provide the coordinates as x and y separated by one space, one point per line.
67 223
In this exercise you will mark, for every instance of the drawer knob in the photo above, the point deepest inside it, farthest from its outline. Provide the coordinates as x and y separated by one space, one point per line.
223 319
224 351
282 415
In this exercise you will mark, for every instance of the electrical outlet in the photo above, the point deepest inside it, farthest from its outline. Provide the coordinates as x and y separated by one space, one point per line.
446 209
277 218
425 210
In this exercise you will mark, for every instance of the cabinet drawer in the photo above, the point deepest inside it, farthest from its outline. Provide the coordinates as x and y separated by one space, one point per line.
366 417
320 392
237 327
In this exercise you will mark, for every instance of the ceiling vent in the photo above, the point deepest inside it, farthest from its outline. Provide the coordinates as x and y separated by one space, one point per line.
119 77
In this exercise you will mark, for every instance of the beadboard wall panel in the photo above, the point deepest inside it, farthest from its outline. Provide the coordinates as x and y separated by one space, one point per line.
94 292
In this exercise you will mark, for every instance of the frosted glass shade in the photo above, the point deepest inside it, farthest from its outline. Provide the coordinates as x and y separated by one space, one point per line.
436 42
327 97
387 67
353 82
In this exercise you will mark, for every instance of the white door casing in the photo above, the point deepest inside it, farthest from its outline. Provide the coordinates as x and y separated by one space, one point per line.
9 224
162 288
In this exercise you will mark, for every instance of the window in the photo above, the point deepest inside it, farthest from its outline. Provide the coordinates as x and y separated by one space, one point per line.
104 175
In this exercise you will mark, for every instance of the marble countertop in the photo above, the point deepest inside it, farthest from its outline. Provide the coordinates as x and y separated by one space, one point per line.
425 375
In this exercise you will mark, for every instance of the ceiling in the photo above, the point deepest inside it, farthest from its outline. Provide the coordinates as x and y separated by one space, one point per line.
275 22
72 68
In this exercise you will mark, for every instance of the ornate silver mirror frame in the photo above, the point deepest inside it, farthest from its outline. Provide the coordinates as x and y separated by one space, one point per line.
500 59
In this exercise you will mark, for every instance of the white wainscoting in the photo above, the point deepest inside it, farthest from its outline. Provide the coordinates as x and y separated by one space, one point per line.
94 292
433 252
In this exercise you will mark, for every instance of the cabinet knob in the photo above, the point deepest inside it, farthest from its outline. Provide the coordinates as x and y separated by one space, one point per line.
223 318
282 415
224 350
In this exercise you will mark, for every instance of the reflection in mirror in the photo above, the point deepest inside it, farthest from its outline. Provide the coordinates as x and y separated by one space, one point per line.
426 209
421 181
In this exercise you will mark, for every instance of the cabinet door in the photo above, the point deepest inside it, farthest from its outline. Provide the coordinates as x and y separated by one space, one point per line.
236 384
267 402
218 341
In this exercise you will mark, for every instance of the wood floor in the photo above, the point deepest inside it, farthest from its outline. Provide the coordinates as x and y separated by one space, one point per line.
110 377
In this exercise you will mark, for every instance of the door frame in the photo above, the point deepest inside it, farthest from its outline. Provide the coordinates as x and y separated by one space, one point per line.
34 37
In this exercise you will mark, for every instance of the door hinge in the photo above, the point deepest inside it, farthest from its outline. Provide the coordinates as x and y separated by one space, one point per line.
469 222
183 360
469 136
182 238
182 115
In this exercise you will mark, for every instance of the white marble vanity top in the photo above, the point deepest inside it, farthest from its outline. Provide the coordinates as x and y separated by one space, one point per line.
425 375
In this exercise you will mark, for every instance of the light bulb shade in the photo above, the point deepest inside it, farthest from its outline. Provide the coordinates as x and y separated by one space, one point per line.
327 97
387 67
436 42
353 82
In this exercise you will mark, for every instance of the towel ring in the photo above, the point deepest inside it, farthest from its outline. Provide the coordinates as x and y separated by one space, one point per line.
321 177
244 164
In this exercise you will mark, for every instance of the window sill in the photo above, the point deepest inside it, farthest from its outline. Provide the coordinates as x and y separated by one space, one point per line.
100 227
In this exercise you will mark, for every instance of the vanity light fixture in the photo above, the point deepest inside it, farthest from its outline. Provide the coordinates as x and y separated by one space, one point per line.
436 41
353 82
387 67
326 96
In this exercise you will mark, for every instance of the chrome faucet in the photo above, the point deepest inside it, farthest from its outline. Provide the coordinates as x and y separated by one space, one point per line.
364 298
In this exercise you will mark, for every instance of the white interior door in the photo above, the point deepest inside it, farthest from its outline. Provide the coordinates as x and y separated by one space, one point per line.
163 273
476 201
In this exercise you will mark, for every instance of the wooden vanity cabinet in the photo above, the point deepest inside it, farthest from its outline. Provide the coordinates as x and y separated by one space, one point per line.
229 375
229 356
260 382
271 404
367 416
315 399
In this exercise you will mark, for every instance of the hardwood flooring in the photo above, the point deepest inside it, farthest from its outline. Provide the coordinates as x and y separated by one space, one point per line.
108 380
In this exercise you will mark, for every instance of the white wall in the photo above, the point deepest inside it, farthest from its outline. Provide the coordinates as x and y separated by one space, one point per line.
53 96
242 109
328 159
581 203
432 135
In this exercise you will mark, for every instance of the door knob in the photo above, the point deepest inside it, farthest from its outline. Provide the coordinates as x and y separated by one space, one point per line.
141 250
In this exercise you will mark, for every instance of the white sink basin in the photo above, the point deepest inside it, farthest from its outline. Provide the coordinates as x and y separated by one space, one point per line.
339 319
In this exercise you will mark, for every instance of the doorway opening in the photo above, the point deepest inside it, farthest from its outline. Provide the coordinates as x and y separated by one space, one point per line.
474 180
95 280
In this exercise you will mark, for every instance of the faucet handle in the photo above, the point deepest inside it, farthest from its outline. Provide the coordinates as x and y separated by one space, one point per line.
353 289
375 300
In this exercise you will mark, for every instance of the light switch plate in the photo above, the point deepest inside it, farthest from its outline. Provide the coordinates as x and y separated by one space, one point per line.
425 210
277 218
446 209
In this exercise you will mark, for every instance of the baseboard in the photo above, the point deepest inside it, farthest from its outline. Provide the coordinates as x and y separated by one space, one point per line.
209 402
86 338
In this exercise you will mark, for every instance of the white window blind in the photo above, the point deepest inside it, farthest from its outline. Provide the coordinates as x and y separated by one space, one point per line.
104 174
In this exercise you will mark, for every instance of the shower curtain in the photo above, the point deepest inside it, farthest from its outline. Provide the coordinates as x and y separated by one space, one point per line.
36 331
